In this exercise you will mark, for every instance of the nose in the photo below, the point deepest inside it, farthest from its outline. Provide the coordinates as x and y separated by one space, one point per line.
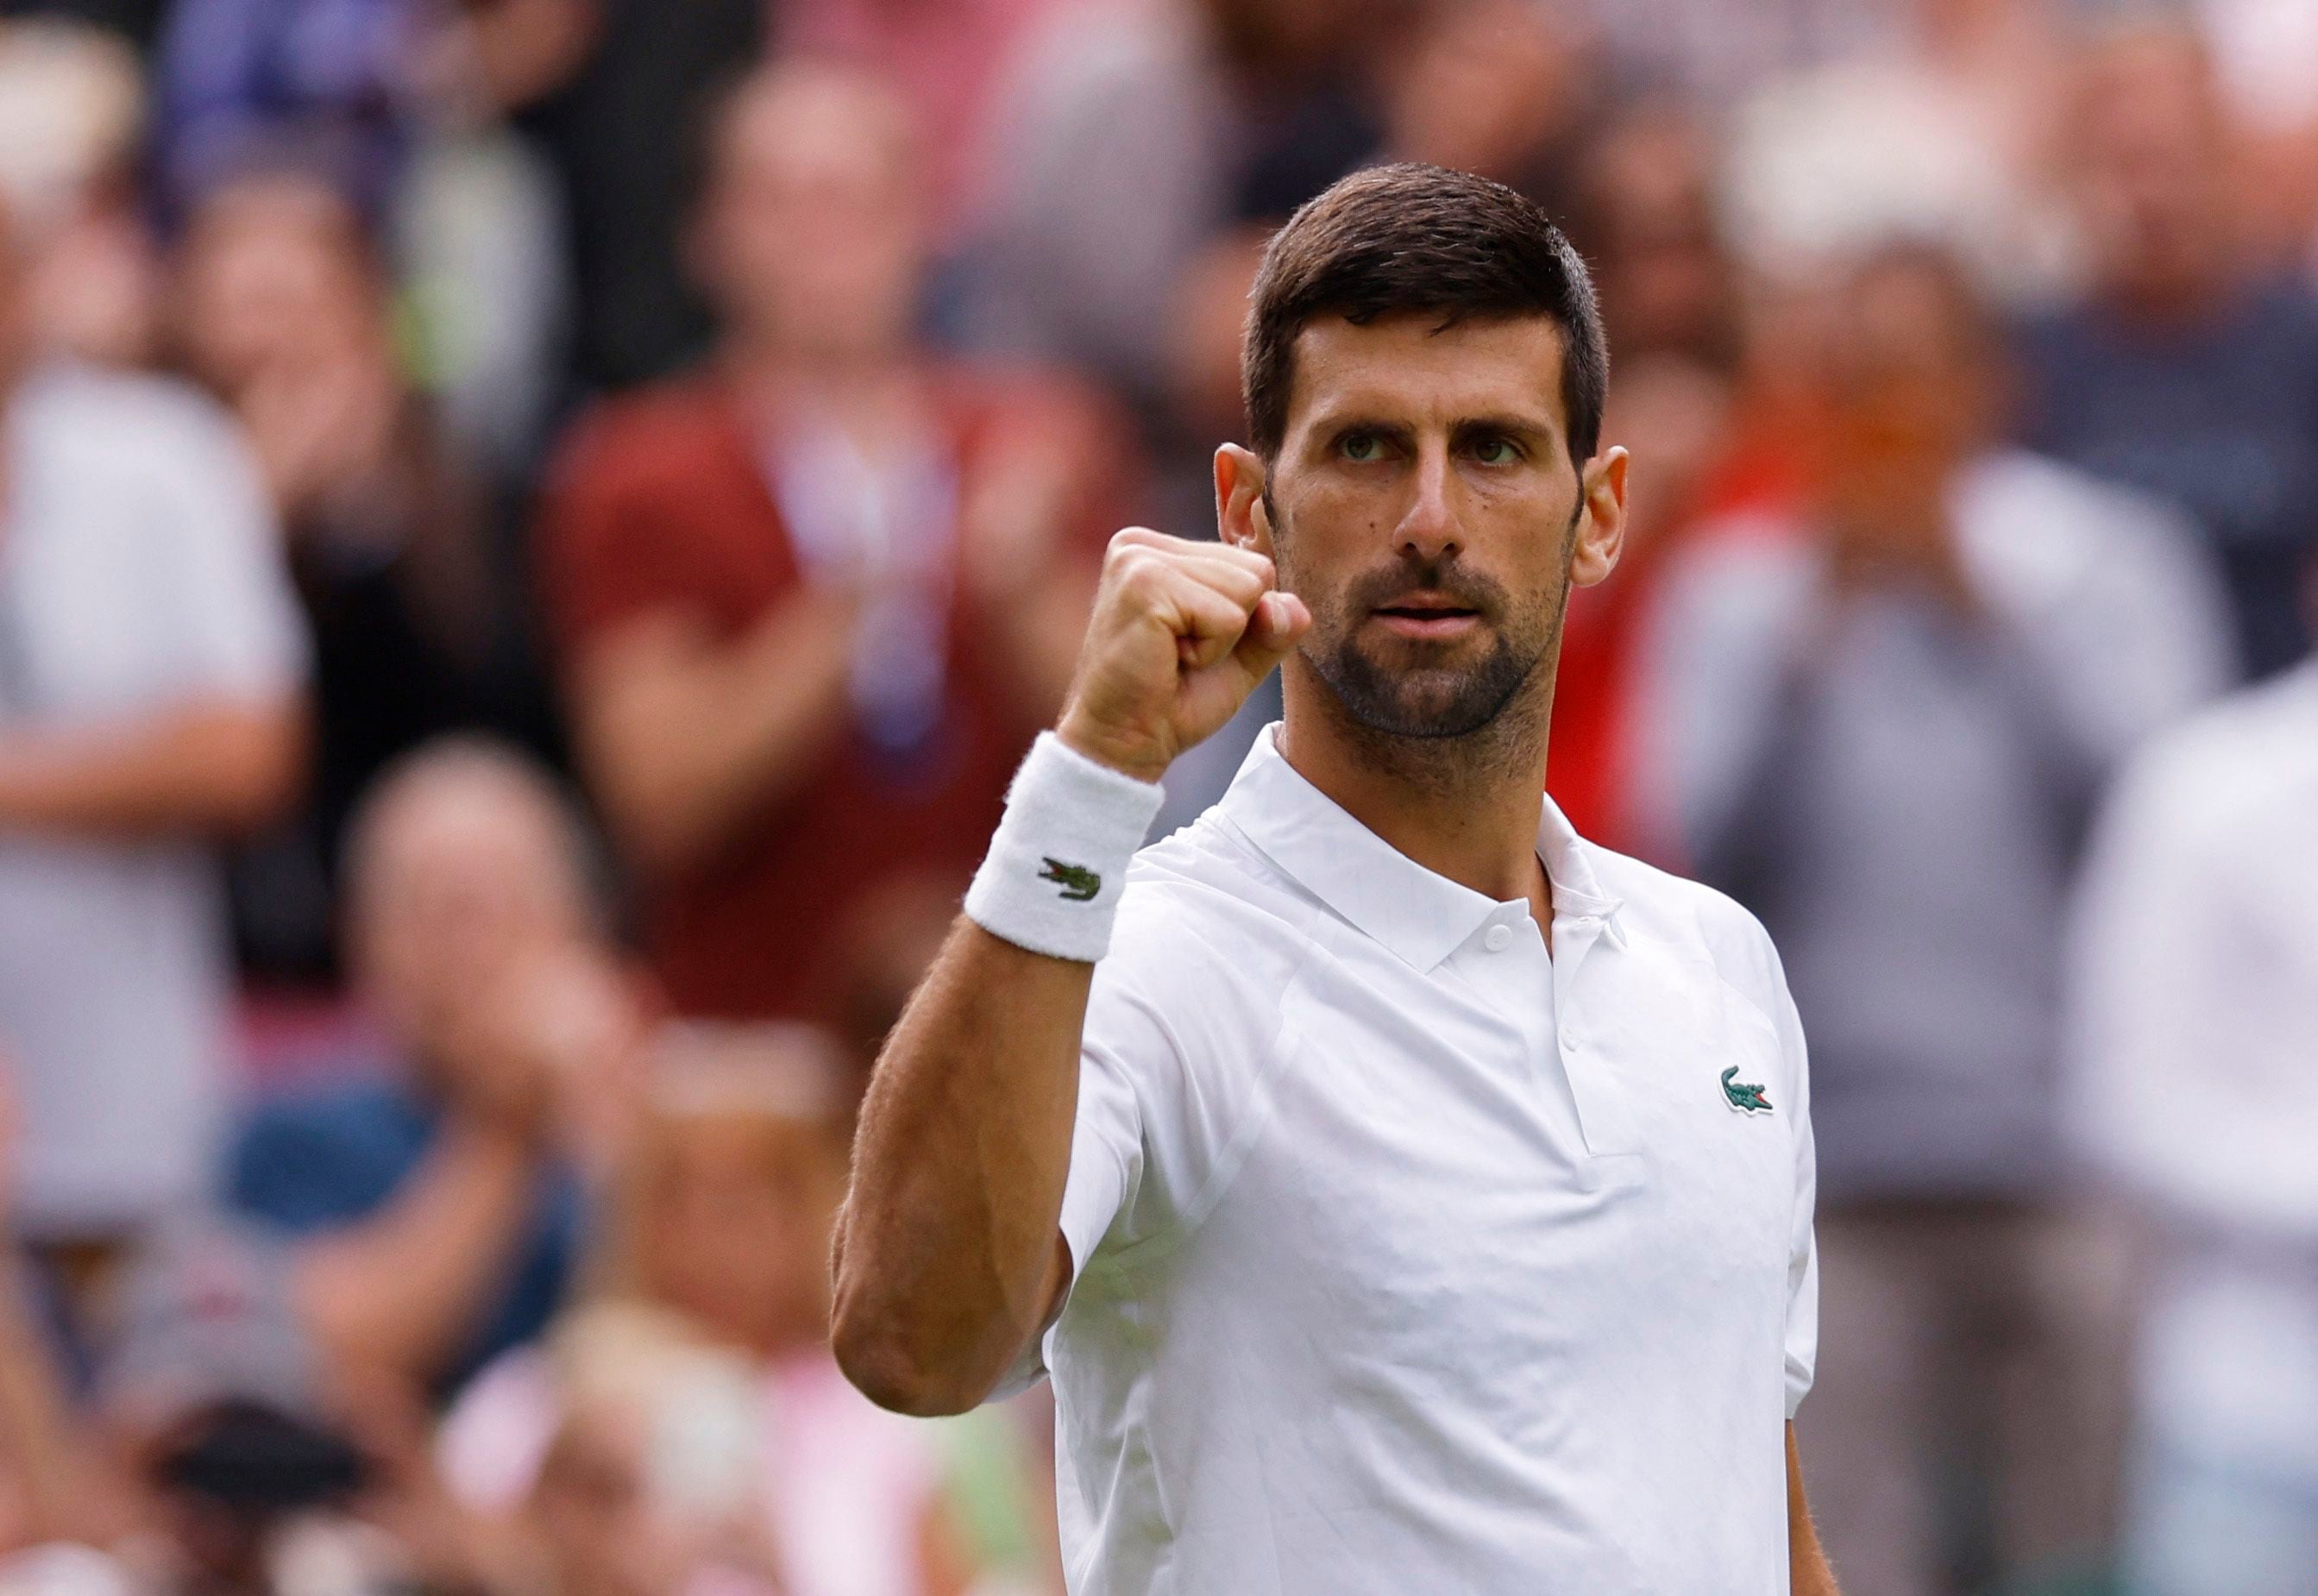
1429 527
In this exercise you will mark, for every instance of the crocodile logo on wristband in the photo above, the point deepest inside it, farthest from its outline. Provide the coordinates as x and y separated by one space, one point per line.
1079 883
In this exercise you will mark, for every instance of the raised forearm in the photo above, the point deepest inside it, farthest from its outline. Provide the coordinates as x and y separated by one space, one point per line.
686 737
948 1253
220 768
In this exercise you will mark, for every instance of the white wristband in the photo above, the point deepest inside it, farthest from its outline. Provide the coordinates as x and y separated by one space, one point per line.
1059 860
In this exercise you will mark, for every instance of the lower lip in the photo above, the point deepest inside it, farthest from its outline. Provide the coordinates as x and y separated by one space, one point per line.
1431 628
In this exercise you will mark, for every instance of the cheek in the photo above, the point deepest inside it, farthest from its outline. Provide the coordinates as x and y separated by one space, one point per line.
1328 532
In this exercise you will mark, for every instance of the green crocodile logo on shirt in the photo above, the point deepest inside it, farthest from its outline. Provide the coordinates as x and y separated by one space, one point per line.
1747 1099
1079 883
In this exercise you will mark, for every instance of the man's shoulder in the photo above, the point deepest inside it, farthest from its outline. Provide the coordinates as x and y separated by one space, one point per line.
1696 922
1206 920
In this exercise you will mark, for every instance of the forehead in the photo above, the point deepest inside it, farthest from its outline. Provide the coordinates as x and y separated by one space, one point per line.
824 130
1410 368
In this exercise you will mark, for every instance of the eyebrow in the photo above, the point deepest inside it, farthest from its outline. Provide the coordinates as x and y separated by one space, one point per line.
1523 426
1327 429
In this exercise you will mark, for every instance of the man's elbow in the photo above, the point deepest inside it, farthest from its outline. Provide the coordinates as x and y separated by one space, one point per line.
894 1369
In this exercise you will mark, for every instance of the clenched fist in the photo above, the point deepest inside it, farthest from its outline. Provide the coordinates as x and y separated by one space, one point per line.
1183 631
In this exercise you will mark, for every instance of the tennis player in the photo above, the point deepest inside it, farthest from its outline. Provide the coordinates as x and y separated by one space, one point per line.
1406 1196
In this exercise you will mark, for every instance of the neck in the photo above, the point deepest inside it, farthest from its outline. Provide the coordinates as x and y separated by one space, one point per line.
1463 807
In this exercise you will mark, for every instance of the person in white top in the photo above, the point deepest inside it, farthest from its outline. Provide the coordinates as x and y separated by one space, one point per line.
2194 1002
1403 1193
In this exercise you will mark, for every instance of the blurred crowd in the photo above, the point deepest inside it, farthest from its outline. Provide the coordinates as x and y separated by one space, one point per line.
533 534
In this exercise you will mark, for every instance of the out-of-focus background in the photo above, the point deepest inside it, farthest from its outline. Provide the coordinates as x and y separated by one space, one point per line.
533 534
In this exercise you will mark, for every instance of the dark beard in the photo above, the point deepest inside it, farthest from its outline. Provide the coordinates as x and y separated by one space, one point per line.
1431 704
1427 701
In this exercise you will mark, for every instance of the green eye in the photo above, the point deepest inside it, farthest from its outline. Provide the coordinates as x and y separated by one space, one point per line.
1361 447
1496 451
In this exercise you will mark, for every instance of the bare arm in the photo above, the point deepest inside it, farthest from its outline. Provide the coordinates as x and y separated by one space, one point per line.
401 1289
1809 1574
398 1290
948 1253
684 737
220 766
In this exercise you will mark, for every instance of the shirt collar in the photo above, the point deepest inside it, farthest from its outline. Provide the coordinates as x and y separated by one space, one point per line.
1422 916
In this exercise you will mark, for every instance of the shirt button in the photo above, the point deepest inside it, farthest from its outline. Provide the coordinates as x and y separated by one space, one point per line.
1498 939
1569 1039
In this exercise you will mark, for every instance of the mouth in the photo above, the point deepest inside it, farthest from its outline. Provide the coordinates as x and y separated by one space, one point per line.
1429 619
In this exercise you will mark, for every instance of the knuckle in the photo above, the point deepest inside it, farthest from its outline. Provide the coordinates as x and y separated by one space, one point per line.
1127 540
1140 581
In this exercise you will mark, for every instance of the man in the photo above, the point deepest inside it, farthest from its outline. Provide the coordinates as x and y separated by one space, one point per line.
1881 725
436 1205
814 598
1415 1195
151 674
2188 372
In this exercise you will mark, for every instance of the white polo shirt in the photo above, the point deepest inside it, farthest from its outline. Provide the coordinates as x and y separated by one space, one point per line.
1412 1260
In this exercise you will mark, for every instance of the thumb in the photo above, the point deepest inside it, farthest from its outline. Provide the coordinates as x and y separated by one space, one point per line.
1280 620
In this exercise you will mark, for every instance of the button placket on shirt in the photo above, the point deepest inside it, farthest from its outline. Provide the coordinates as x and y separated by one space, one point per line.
1602 1111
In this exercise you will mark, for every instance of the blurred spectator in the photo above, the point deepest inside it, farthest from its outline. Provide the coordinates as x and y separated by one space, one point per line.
283 313
1883 730
1716 53
1946 131
437 1194
1505 88
1647 216
71 118
950 62
239 80
2196 1002
1674 414
220 1457
1141 129
814 598
620 135
2266 56
215 1409
150 670
52 1486
2185 373
478 228
719 1245
643 1485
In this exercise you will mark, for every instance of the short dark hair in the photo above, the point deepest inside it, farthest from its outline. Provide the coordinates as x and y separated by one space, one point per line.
1412 238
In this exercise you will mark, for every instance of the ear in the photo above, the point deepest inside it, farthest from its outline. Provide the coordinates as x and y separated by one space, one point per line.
1241 519
1602 527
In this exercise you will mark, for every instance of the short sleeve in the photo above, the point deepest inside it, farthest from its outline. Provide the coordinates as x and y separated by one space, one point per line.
613 542
243 633
1802 1340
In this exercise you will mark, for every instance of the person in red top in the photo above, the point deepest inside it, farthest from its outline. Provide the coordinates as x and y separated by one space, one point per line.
814 599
